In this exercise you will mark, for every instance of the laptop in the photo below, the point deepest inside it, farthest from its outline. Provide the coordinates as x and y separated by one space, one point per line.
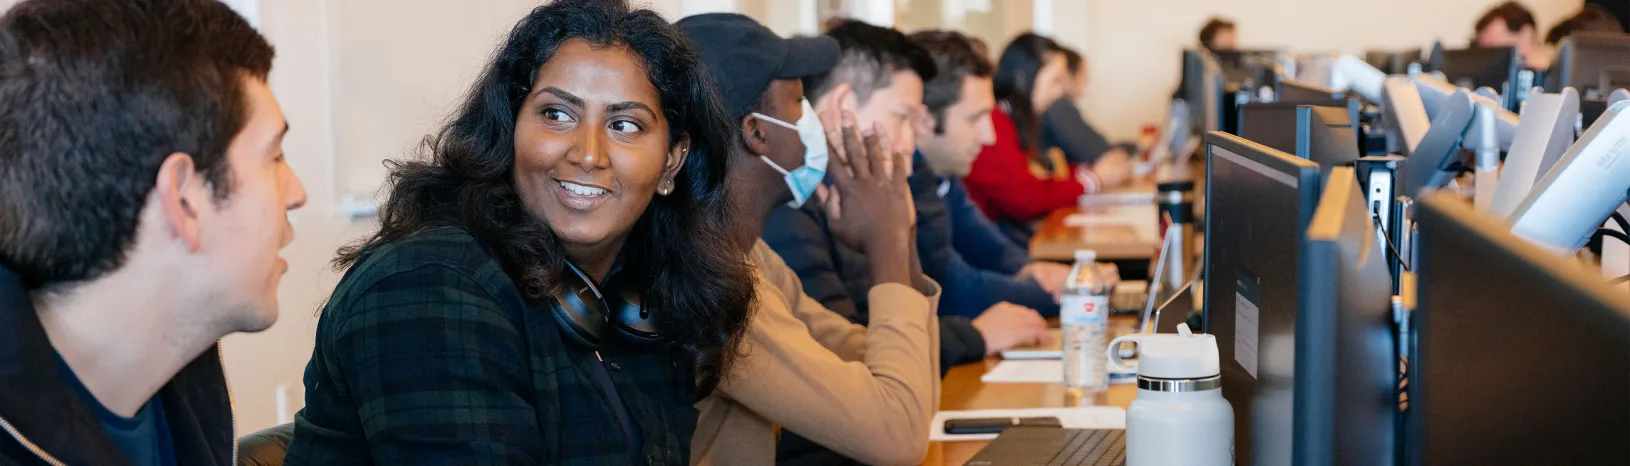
1054 446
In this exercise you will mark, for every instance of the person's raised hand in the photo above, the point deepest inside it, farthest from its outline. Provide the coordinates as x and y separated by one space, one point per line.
869 206
1006 326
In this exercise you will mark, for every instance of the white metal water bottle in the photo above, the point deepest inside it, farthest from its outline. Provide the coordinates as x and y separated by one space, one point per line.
1084 316
1179 416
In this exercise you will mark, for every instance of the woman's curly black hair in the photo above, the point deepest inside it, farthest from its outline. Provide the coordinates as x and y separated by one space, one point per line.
679 256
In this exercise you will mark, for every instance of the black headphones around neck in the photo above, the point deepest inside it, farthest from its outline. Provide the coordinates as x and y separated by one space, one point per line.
586 316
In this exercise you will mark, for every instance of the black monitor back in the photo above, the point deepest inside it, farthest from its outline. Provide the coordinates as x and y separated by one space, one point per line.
1326 135
1584 59
1333 135
1275 125
1520 356
1346 402
1258 205
1475 67
1203 91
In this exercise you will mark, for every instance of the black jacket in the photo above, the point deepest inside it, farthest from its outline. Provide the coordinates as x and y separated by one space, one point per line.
42 421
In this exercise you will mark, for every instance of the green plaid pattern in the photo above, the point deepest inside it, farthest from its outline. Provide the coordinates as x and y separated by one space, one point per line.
426 354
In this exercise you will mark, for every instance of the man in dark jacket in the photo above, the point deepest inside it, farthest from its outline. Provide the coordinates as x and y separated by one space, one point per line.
143 200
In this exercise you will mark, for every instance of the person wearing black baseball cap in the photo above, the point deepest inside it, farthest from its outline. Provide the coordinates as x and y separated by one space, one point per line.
867 395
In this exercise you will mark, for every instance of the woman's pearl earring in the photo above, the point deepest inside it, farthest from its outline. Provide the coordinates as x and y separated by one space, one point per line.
667 188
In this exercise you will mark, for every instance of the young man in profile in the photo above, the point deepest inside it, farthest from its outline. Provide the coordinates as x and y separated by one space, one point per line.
1510 24
143 200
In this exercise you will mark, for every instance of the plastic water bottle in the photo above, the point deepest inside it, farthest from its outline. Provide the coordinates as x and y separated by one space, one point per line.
1084 315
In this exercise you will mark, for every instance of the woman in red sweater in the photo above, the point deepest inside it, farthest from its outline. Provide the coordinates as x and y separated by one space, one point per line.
1031 75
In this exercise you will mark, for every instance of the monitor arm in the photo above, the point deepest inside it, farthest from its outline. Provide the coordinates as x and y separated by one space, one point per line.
1434 91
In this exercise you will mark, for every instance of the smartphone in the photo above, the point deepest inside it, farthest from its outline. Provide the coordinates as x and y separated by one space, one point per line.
994 425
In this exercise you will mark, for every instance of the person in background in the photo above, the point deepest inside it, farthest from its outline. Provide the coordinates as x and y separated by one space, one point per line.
1510 24
143 201
1217 35
1032 74
1068 139
555 284
1591 18
865 394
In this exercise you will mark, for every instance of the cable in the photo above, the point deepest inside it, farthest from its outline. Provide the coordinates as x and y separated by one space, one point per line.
1604 232
1619 219
1619 280
1393 248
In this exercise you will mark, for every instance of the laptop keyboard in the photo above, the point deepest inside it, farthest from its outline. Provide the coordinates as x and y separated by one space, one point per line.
1095 447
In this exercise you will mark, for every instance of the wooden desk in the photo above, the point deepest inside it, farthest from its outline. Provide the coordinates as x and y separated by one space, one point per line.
962 390
1116 232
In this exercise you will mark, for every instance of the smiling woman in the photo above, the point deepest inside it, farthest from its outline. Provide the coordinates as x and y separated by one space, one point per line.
555 283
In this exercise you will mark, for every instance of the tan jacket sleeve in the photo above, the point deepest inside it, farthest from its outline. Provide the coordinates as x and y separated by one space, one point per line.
868 397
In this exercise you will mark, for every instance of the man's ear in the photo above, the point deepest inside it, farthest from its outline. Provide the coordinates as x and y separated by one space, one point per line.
181 194
841 98
752 135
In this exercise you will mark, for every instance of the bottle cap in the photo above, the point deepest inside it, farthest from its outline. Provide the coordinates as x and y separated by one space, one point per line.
1181 355
1086 255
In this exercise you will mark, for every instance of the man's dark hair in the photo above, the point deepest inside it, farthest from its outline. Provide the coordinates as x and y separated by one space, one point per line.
1593 18
954 59
1513 14
871 55
1214 26
94 95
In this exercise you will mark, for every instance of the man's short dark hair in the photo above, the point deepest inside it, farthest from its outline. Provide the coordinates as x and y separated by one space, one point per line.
1513 14
871 55
955 58
1593 18
1214 26
94 95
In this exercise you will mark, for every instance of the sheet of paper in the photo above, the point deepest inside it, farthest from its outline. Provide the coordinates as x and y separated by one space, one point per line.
1039 371
1054 349
1136 198
1245 333
1085 220
1085 417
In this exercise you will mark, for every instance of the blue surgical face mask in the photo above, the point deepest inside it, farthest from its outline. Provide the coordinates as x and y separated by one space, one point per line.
803 180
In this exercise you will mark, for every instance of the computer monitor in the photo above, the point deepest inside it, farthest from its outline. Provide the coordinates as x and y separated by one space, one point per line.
1326 135
1275 125
1257 67
1346 403
1291 90
1471 68
1258 205
1203 90
1392 62
1520 357
1543 135
1585 60
1568 203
